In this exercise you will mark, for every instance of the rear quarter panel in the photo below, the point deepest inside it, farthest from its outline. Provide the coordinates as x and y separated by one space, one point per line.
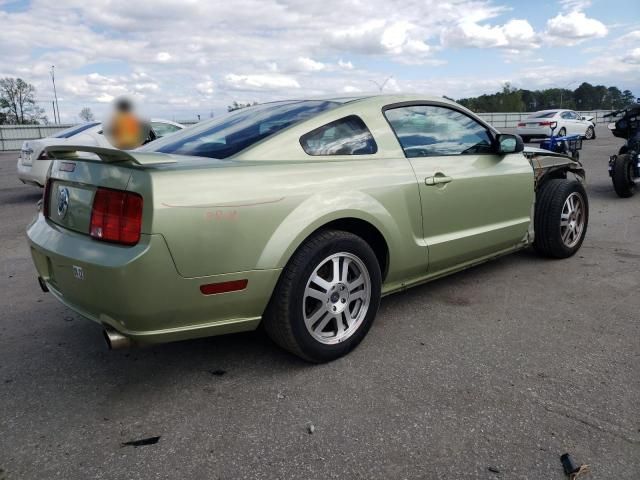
221 220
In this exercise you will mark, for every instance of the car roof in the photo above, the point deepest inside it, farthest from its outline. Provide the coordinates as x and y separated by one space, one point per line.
373 98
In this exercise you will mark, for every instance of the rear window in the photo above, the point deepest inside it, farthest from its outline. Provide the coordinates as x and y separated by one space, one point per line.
233 132
542 115
70 132
347 136
162 129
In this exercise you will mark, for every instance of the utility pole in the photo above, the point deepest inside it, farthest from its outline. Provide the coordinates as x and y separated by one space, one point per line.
53 105
563 89
53 80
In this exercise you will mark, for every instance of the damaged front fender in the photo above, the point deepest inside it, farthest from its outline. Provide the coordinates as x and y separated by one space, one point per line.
547 165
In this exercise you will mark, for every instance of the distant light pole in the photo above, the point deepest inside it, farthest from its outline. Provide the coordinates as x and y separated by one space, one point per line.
53 80
563 89
381 85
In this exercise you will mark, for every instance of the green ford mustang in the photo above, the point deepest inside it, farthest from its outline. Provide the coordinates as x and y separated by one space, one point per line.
297 214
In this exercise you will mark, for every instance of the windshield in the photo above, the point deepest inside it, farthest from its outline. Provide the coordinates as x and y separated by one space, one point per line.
542 114
70 132
232 132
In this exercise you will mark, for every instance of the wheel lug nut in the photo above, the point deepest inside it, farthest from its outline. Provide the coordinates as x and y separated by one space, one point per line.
343 300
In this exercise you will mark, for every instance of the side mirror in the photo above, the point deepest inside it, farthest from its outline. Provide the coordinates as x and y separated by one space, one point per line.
508 143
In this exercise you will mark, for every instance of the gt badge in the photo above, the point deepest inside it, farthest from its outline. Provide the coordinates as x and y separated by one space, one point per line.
78 272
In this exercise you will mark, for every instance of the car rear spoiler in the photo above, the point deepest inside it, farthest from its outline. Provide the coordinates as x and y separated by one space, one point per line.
107 155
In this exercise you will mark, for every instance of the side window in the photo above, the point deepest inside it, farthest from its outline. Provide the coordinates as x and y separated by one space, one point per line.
567 115
425 131
347 136
162 129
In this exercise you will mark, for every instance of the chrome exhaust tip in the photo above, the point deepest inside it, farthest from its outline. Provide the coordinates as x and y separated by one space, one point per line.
115 340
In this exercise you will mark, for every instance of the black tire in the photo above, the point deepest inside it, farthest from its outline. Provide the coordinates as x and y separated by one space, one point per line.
284 320
590 134
562 132
525 139
550 202
622 176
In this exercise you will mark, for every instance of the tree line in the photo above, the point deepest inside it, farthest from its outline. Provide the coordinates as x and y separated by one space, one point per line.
585 97
18 104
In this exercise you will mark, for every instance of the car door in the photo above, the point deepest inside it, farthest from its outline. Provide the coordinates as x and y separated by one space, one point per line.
475 202
574 124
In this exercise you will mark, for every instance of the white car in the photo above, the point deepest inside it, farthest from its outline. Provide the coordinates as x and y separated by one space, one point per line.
564 122
33 163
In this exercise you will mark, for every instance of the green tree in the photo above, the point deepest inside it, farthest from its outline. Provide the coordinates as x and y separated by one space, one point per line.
86 115
17 99
628 97
585 97
238 105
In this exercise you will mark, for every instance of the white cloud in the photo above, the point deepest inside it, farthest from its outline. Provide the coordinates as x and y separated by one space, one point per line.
261 81
268 49
401 40
515 34
310 65
206 87
163 56
632 57
105 98
574 26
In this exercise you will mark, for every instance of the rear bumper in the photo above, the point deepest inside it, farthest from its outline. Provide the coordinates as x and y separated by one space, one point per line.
34 174
537 132
138 291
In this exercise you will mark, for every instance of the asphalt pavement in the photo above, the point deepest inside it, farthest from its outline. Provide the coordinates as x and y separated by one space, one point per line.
491 373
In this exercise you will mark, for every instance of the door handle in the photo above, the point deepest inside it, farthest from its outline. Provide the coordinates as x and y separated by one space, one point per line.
437 179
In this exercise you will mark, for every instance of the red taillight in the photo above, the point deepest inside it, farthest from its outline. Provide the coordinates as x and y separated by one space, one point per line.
116 216
522 124
548 124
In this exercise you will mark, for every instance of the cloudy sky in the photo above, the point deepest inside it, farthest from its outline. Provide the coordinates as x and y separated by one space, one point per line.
181 58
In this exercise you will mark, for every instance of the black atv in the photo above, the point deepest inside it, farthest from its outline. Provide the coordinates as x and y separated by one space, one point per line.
624 168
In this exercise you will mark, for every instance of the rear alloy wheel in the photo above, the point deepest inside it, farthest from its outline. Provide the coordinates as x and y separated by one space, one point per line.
327 297
622 177
561 218
590 134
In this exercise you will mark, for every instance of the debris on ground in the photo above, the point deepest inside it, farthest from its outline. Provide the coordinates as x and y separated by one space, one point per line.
141 443
311 428
217 373
493 469
570 467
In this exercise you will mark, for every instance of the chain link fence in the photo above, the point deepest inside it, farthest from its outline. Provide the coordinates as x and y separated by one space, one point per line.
510 120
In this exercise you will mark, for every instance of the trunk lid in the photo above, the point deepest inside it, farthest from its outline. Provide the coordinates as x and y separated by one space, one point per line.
77 174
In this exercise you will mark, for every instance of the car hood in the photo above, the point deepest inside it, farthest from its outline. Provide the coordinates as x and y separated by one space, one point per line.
547 157
542 151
